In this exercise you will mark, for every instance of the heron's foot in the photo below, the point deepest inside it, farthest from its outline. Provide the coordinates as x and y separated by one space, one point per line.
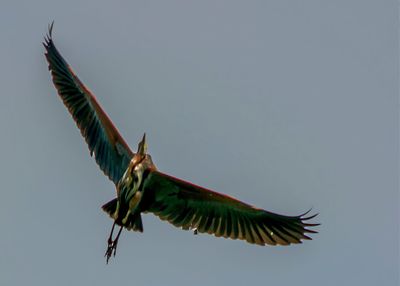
112 244
111 249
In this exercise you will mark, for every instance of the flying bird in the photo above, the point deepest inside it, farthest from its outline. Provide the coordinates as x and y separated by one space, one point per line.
142 188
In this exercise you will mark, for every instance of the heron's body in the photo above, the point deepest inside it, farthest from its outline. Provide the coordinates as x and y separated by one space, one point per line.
128 205
142 188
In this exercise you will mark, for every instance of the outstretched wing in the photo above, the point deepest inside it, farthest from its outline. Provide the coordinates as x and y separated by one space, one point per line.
111 152
191 207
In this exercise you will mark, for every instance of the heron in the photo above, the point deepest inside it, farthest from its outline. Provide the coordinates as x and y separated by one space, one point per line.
142 188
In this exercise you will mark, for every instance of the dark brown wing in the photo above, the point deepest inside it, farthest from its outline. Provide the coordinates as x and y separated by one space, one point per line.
111 152
192 207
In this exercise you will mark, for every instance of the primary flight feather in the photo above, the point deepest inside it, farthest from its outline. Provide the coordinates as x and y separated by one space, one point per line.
142 188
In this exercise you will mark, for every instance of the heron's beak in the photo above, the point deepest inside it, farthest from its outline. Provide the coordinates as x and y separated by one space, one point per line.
142 147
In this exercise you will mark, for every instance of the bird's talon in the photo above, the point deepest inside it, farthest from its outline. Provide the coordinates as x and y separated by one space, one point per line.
110 249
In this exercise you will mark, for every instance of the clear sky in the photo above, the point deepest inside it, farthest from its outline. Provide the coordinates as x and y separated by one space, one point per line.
283 104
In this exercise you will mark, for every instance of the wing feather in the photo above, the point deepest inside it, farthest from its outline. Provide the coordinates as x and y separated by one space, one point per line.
189 206
111 152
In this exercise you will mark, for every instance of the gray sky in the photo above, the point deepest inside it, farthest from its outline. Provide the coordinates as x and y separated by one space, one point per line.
283 104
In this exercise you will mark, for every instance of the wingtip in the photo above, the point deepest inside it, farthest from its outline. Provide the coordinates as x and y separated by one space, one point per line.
51 28
49 36
309 217
304 216
305 213
306 225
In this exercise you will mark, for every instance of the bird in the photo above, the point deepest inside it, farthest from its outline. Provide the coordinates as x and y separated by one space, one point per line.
142 188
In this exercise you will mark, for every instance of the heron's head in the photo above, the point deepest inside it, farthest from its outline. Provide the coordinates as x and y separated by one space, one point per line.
141 161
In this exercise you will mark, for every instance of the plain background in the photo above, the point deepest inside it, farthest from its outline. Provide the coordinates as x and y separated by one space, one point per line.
284 104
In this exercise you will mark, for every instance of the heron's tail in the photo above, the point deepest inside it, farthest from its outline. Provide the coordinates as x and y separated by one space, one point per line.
132 221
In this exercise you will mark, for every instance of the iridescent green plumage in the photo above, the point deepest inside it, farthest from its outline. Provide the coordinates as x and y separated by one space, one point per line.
192 207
